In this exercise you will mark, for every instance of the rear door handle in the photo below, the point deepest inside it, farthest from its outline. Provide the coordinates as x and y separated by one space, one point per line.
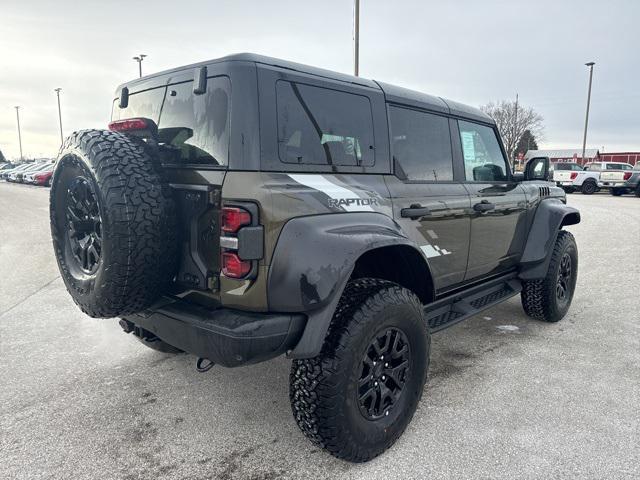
414 212
484 206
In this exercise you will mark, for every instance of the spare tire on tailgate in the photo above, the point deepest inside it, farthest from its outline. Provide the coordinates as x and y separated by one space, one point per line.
112 223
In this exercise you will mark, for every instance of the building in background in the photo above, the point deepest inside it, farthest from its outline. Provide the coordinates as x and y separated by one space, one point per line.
568 155
590 155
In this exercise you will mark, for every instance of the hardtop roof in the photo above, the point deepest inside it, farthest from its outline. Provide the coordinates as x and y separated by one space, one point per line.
393 93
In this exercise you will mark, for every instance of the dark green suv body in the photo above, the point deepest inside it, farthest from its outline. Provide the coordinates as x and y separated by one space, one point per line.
248 207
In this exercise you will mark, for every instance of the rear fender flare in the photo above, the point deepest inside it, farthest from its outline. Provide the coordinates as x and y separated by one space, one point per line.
551 215
313 261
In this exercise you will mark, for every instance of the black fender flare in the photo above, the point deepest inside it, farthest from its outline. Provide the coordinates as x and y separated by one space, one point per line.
313 260
551 215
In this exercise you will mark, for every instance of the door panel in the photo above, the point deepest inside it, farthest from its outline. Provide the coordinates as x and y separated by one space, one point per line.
443 233
498 227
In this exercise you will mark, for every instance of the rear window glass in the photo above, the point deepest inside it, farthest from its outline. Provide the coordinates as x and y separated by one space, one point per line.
320 126
145 104
195 128
567 166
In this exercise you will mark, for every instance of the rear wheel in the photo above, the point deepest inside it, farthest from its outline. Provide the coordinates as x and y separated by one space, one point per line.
359 394
589 187
549 299
616 192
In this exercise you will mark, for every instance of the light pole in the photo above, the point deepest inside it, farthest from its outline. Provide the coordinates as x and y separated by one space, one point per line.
57 90
586 119
19 135
356 38
139 59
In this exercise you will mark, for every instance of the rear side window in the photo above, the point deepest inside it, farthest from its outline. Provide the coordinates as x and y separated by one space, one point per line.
596 167
196 127
421 145
483 159
320 126
145 104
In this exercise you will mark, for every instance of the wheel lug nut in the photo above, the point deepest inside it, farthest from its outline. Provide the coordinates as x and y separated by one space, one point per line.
375 384
374 362
383 377
381 357
386 364
386 413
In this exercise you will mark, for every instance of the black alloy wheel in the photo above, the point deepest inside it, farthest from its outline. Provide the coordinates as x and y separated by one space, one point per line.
84 225
383 373
563 285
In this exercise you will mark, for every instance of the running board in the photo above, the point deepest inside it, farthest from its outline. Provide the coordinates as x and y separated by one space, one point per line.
455 308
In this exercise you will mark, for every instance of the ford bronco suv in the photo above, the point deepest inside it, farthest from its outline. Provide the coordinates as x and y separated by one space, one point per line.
248 207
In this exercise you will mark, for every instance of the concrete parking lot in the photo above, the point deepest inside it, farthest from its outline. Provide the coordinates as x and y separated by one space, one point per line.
507 397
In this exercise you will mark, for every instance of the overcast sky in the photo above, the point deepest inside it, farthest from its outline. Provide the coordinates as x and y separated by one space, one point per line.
466 50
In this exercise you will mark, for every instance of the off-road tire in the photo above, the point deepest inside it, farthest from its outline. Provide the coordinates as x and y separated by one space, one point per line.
589 187
539 297
323 389
134 225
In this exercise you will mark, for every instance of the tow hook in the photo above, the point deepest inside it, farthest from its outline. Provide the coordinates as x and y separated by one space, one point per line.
204 365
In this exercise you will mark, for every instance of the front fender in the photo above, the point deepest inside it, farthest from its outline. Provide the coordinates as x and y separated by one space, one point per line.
551 215
313 260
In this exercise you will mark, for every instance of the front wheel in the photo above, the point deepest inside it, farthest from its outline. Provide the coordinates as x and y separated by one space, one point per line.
359 394
549 299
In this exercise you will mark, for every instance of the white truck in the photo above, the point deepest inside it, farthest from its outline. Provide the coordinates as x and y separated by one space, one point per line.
612 175
571 177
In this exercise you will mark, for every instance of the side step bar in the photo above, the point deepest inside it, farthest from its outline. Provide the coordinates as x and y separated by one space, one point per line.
457 307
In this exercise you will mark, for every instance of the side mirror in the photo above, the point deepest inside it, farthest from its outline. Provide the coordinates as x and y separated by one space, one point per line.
537 169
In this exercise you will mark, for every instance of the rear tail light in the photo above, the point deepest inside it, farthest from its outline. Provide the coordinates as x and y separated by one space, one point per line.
234 218
573 175
627 175
128 125
233 267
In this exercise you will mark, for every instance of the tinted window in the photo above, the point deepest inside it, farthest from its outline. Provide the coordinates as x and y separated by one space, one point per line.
567 166
323 127
483 160
196 127
421 145
593 167
145 104
614 166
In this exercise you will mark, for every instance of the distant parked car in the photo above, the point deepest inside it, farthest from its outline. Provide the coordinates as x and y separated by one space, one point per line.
43 176
611 175
19 176
632 181
29 177
564 176
11 175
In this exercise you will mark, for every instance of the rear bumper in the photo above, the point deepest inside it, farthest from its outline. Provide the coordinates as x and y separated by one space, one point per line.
227 337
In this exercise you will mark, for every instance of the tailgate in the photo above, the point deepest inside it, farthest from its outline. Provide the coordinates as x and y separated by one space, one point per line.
612 176
562 176
198 215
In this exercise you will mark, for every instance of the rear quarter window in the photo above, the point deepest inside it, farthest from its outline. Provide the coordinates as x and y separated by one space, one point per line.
322 126
146 104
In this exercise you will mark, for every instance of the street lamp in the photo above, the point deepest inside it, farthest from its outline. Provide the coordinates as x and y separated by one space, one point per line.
57 90
17 107
139 59
356 38
586 119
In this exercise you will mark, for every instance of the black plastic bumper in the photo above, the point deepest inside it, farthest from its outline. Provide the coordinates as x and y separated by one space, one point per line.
224 336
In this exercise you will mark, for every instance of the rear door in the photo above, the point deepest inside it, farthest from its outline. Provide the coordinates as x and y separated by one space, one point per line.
429 202
498 204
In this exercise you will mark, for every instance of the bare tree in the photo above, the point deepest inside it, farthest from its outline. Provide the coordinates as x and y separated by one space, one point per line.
513 121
